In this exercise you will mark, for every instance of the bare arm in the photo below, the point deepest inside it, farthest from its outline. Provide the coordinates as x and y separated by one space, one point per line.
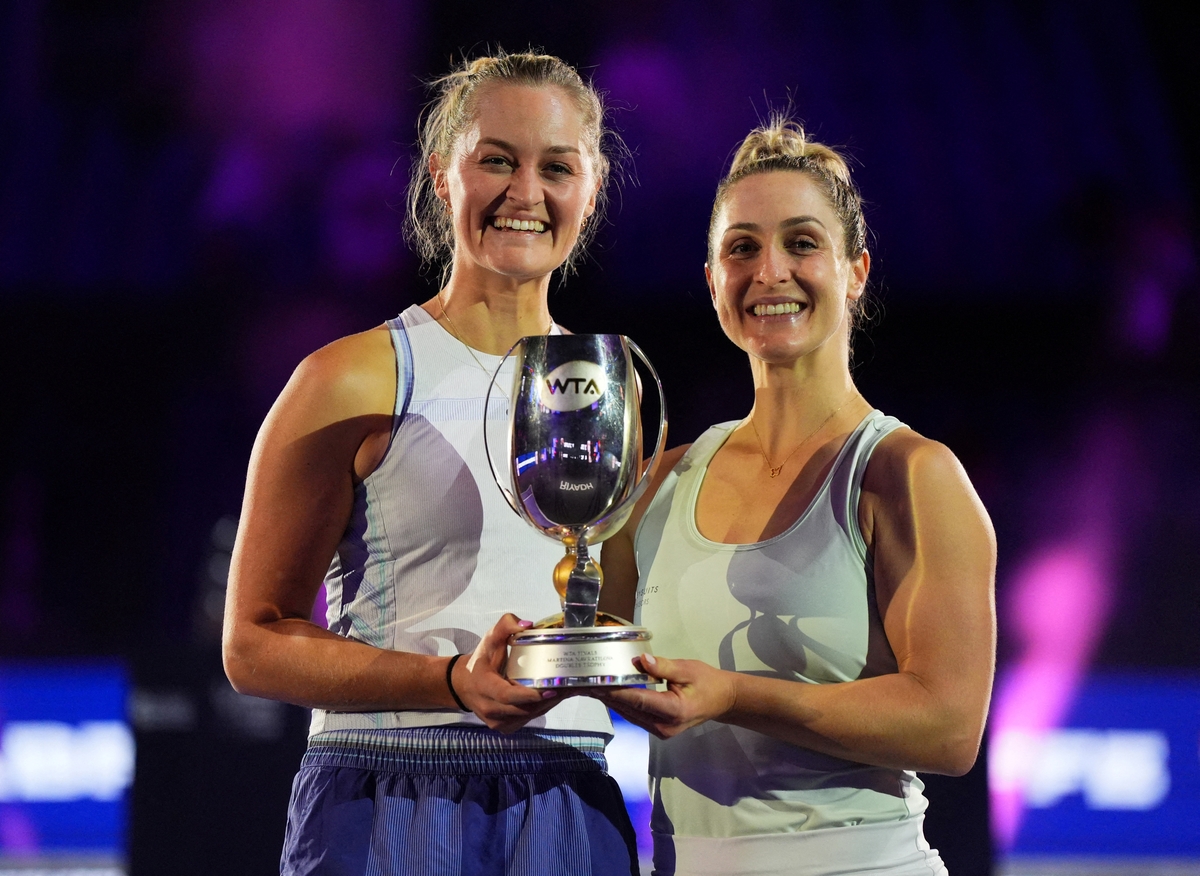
329 427
934 555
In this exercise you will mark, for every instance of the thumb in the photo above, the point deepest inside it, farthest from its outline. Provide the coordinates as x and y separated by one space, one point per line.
506 626
493 646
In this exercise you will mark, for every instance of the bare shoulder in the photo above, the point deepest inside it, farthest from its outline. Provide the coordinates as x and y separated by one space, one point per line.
910 476
358 370
905 460
354 376
333 419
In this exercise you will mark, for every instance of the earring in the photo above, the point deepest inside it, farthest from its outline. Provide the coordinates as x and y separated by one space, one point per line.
584 224
449 210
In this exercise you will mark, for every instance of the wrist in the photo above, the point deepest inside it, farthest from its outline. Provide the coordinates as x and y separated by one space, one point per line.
450 683
732 684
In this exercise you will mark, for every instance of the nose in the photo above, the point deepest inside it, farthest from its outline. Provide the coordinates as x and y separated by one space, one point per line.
772 267
525 186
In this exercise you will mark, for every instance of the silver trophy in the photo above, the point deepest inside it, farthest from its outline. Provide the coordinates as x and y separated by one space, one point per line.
573 458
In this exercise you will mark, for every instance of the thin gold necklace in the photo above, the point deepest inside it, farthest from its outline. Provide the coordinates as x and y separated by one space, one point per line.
776 469
458 337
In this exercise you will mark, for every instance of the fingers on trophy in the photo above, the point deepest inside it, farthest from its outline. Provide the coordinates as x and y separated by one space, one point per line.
573 460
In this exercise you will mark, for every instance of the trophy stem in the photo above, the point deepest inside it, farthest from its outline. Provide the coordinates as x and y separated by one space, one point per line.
583 589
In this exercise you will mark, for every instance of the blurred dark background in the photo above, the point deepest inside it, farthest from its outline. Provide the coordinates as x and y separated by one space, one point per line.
196 194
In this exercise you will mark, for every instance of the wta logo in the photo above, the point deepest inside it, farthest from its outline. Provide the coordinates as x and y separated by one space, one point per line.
573 385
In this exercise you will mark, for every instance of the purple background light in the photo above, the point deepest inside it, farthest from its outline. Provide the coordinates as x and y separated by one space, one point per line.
195 195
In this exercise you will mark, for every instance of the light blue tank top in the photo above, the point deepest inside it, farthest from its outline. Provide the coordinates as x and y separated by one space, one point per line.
799 606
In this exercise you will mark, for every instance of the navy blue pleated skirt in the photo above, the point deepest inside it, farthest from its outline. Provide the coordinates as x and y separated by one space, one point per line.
457 801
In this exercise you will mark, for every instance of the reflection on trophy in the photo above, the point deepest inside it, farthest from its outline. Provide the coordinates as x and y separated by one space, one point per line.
574 457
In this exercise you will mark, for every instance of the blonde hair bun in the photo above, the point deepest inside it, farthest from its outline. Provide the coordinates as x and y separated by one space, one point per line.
785 138
782 144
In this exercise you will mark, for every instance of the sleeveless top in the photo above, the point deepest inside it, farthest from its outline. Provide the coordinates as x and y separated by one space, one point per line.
799 606
433 555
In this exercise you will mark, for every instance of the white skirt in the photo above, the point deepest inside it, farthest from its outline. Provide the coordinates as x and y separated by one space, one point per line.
894 848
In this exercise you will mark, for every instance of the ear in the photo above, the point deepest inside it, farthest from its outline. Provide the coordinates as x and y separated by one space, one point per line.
440 187
591 204
860 268
712 290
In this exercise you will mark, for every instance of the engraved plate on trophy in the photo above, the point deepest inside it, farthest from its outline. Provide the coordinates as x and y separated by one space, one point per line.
574 461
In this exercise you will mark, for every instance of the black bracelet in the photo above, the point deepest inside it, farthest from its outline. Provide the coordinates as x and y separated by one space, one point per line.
450 684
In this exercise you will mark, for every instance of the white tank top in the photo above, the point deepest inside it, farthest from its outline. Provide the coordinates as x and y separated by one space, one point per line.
799 606
433 555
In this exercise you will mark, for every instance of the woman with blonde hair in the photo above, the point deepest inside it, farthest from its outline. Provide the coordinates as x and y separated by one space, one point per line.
369 474
818 576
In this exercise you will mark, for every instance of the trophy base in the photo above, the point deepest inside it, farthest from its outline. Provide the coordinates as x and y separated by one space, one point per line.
551 655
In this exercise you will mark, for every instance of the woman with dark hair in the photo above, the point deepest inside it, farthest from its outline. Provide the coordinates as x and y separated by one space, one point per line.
818 576
369 474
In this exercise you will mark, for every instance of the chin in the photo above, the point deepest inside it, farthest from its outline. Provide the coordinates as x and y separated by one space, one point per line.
521 268
524 263
778 353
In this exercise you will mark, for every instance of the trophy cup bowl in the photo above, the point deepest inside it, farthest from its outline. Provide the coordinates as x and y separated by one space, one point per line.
574 462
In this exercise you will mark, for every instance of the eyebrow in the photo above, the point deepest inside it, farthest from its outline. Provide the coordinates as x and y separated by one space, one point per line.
786 223
504 144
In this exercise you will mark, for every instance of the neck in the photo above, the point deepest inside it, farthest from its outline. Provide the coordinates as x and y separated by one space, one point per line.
491 313
795 401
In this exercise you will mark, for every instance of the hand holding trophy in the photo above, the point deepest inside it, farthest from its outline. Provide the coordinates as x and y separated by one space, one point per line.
574 460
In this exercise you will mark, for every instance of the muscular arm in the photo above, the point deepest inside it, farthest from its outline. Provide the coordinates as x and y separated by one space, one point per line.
934 553
329 427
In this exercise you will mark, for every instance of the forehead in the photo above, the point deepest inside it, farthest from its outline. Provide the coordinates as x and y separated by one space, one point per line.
537 117
766 199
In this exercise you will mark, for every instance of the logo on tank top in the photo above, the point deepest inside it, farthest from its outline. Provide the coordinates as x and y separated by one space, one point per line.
573 385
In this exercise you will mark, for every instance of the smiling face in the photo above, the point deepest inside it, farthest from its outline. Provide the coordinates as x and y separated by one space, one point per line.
519 181
779 276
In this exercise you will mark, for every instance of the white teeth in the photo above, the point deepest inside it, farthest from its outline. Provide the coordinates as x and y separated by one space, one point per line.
776 309
519 224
